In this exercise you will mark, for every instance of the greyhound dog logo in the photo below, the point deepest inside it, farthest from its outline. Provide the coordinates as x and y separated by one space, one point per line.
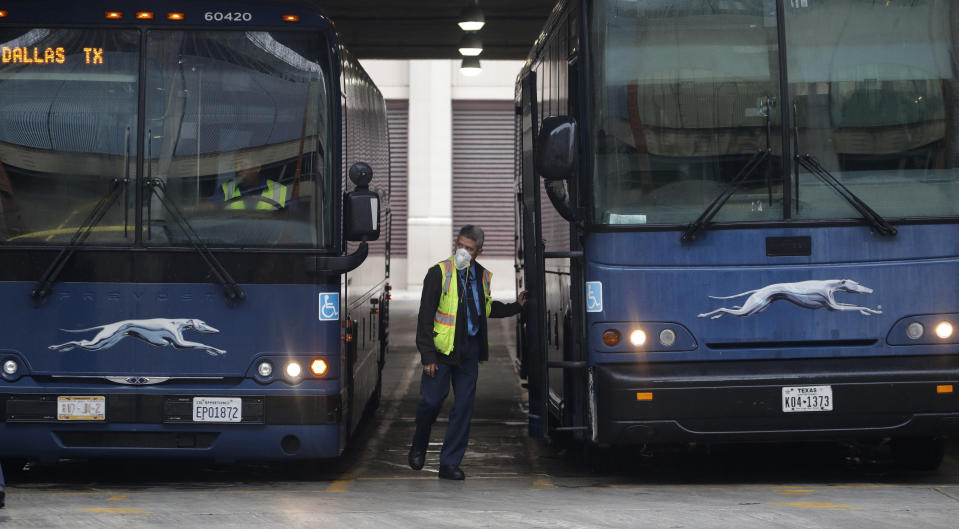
807 294
157 331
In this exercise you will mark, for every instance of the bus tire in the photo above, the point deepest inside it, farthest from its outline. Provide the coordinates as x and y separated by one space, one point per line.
13 467
918 453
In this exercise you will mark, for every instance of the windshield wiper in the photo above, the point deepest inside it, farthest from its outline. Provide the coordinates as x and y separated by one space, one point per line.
812 164
713 208
230 287
49 277
881 225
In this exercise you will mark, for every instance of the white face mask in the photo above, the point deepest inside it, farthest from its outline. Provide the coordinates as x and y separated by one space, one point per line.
461 259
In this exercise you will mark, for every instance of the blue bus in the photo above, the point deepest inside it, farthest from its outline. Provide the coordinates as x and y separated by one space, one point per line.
738 221
194 231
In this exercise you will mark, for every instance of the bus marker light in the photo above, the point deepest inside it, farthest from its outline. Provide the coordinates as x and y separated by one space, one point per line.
293 369
145 15
637 337
10 367
291 18
114 15
644 395
318 367
915 330
611 337
265 369
175 16
3 14
944 388
944 330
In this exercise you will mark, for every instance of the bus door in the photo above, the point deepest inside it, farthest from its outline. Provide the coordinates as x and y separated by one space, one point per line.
531 267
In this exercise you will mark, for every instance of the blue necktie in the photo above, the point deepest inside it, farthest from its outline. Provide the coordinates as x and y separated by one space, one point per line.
471 315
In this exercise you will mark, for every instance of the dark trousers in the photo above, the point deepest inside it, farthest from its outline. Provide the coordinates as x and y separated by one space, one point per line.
434 390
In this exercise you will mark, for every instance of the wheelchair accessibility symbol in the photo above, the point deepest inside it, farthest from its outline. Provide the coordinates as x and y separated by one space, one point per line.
329 306
594 296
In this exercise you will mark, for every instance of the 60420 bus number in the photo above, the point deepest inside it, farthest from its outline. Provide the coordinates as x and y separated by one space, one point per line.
228 16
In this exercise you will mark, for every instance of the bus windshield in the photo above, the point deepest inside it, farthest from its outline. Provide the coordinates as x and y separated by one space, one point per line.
690 90
234 138
236 127
68 120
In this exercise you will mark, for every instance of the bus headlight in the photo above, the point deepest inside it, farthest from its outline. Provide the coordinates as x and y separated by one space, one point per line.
915 330
293 369
637 337
265 369
667 337
10 367
944 330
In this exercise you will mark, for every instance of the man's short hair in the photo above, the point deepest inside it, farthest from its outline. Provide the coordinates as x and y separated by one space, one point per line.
472 232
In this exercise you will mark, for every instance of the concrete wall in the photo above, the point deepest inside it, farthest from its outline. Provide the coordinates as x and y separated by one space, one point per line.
431 86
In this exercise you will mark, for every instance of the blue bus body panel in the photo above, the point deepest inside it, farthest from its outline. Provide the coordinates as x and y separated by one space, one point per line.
651 277
275 320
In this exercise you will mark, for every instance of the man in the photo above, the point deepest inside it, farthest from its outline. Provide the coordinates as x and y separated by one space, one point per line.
451 336
249 190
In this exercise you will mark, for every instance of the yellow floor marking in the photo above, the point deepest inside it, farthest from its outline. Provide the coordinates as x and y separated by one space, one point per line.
121 510
794 491
812 505
542 482
116 498
347 479
429 477
871 486
343 484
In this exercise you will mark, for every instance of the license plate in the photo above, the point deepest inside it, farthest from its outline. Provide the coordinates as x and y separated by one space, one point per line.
210 409
807 398
81 409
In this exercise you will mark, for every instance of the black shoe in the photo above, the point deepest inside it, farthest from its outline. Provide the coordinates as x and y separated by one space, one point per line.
451 472
417 458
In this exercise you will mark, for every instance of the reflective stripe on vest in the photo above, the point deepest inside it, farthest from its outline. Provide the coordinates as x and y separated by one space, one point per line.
274 192
444 320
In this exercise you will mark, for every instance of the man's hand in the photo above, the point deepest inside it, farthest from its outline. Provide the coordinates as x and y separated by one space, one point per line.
521 298
430 369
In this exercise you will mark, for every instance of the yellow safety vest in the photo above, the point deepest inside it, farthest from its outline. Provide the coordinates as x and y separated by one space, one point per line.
444 322
274 191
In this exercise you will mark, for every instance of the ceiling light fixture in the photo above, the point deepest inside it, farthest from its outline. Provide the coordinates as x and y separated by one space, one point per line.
470 67
472 19
471 45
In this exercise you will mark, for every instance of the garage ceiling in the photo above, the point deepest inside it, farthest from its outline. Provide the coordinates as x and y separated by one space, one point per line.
426 29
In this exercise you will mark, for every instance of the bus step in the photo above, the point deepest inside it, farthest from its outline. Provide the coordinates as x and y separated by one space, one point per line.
571 428
562 364
563 255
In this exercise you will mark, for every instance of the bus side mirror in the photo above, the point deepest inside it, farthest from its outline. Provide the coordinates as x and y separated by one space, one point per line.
556 148
361 207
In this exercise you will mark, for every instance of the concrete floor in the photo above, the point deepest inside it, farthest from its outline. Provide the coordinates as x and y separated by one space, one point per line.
512 481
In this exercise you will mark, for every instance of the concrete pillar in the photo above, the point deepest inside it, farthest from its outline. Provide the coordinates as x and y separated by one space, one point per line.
430 221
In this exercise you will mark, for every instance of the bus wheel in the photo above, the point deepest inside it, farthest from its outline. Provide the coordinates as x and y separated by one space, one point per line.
918 453
13 468
597 459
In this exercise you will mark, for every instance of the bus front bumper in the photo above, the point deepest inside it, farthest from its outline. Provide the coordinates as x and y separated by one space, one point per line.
744 401
160 425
